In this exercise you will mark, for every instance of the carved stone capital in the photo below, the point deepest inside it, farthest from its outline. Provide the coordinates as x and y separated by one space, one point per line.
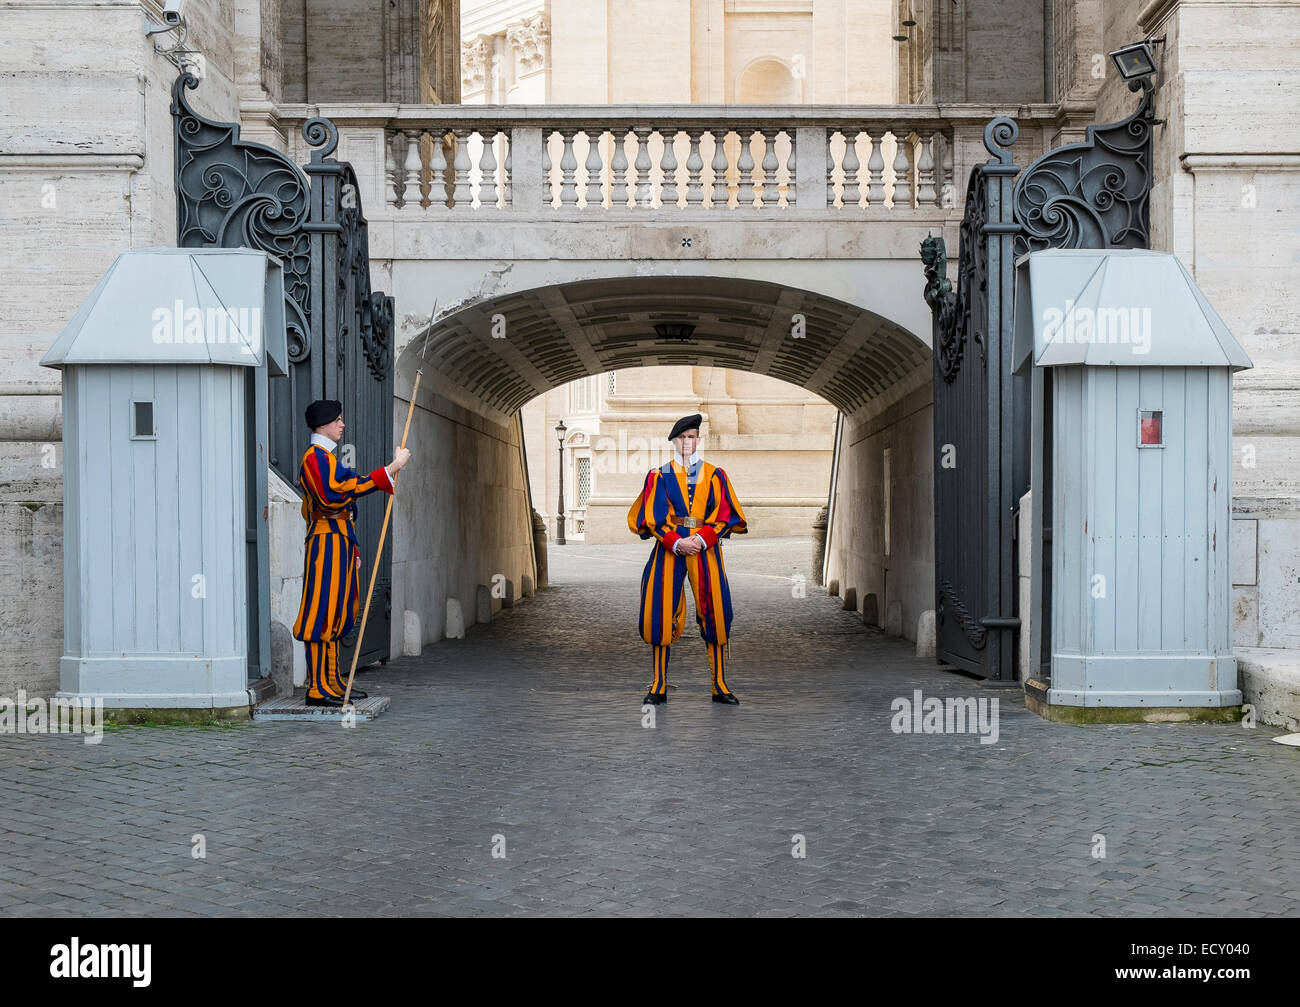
475 59
529 40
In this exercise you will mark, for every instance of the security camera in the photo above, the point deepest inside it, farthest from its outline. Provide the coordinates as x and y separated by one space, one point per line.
173 17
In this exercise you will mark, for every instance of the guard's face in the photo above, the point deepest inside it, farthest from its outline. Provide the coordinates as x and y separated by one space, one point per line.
687 442
334 431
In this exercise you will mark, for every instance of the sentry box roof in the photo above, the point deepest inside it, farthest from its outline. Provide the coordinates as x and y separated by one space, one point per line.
1120 308
181 306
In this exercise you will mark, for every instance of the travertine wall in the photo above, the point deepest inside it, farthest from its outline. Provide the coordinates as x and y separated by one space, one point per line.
855 548
461 523
366 50
978 50
85 173
710 51
1226 202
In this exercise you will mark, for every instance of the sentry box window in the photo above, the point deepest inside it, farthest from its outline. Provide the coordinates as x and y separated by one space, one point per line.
1151 433
142 428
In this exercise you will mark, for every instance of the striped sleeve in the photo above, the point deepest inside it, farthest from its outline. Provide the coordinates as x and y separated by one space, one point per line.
648 514
724 516
334 485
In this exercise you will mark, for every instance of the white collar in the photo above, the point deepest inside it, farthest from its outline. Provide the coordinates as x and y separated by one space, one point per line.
687 463
324 442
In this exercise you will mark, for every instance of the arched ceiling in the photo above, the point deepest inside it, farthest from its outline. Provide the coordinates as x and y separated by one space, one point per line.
553 335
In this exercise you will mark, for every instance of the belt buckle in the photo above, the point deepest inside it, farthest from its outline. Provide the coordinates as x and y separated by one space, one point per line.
692 522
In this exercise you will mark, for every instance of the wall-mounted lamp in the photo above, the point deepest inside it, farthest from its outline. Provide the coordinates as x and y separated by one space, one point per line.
1137 61
679 331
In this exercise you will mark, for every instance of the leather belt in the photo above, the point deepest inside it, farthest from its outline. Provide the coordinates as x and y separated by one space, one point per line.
345 516
692 522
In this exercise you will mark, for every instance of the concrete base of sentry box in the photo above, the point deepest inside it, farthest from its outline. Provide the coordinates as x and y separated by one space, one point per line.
152 682
295 709
1039 699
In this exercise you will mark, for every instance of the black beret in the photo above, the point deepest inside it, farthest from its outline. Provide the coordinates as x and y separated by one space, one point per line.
323 411
691 422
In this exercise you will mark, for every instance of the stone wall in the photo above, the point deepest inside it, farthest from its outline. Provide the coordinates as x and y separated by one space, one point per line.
462 525
85 173
1225 203
981 50
856 555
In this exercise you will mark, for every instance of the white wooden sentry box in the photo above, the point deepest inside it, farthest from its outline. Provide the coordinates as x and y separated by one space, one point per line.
1131 475
165 371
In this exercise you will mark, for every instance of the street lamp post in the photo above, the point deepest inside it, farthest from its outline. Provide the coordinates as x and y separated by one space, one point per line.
559 518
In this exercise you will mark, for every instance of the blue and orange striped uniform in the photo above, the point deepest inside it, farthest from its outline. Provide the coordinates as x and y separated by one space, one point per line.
331 595
662 509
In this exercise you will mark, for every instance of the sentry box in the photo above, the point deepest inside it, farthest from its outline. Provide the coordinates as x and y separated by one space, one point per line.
1131 477
166 564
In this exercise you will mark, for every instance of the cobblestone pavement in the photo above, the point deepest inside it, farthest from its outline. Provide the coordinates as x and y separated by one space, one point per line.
531 730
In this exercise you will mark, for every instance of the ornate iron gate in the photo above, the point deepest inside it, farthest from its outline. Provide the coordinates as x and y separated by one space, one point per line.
232 193
1086 195
981 468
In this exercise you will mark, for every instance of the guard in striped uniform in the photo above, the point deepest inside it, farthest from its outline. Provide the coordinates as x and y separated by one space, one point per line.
331 596
689 506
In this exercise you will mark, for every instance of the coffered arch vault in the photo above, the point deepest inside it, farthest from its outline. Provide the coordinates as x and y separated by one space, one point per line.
505 350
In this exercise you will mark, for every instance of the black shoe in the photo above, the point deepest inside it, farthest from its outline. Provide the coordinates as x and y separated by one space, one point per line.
726 697
655 698
358 694
336 702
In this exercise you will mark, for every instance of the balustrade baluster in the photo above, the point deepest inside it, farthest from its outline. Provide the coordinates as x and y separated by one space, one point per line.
852 190
507 175
745 164
791 177
644 194
925 194
876 170
718 195
618 166
461 196
411 189
437 169
392 180
903 171
830 167
568 170
769 195
487 166
668 192
593 164
694 168
548 194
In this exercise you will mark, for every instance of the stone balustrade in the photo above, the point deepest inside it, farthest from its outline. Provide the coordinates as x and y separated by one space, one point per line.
743 160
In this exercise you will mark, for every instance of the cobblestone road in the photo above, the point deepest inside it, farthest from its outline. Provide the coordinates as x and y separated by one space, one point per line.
531 730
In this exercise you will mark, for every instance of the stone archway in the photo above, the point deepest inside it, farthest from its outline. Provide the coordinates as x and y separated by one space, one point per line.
464 521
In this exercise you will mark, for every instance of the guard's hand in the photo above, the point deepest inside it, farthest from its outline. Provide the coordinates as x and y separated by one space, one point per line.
400 457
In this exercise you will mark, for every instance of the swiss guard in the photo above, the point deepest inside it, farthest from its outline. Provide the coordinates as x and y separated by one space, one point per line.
689 506
331 596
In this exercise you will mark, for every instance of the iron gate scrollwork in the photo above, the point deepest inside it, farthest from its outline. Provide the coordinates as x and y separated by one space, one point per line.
233 193
1093 194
